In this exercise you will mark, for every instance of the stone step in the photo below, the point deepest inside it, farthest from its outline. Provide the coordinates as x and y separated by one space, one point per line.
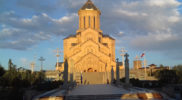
95 97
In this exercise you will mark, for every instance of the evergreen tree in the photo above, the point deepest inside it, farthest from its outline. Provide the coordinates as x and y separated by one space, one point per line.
161 66
2 71
178 70
166 76
10 64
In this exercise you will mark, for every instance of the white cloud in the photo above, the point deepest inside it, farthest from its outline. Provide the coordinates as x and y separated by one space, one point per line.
127 13
146 24
163 3
22 33
157 42
138 16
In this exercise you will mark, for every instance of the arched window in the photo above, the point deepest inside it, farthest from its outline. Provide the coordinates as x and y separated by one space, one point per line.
79 21
89 37
84 21
94 22
89 21
99 39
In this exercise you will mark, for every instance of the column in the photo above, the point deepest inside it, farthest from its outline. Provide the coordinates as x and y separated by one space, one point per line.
112 75
127 79
86 21
117 72
71 70
65 75
96 22
92 21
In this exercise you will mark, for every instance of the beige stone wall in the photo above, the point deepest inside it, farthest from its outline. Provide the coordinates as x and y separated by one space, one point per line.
90 51
102 77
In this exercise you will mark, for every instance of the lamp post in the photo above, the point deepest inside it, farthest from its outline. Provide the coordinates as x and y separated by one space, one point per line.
57 51
32 64
41 59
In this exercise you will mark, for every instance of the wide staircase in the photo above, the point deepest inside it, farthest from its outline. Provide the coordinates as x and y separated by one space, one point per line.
95 92
101 92
89 78
95 97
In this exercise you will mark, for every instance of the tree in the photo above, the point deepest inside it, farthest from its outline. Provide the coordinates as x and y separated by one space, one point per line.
10 64
20 79
161 66
2 71
166 76
178 70
17 81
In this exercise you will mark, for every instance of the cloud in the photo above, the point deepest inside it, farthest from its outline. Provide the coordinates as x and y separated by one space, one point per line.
22 33
157 41
163 3
38 5
140 16
153 25
141 24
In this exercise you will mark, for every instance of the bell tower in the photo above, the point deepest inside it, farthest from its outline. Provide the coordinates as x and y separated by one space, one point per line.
89 17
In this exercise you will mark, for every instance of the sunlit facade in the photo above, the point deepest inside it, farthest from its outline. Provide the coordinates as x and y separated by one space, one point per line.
89 50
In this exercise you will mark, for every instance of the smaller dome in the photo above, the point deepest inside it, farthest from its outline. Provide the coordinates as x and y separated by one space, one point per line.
89 6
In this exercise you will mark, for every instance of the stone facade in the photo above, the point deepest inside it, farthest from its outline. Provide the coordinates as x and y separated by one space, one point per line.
89 50
137 64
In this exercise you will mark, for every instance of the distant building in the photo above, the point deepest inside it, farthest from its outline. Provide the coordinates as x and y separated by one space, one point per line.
52 75
60 66
153 68
137 64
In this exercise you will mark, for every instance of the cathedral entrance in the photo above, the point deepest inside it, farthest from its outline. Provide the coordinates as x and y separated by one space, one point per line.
90 70
93 77
90 63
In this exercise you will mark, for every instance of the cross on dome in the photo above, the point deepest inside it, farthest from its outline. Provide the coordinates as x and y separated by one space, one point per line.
89 6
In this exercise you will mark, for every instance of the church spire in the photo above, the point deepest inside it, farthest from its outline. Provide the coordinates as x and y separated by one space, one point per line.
89 17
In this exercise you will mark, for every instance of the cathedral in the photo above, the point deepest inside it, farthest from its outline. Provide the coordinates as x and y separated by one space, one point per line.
89 50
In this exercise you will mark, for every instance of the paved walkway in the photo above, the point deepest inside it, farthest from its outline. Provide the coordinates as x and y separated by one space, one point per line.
101 92
96 90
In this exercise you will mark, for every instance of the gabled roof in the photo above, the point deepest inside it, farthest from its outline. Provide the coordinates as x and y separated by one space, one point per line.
59 64
89 6
70 36
108 36
152 65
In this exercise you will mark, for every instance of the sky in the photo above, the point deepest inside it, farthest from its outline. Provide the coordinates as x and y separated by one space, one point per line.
30 29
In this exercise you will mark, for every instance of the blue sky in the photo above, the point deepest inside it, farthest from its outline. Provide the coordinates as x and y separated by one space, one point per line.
31 28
